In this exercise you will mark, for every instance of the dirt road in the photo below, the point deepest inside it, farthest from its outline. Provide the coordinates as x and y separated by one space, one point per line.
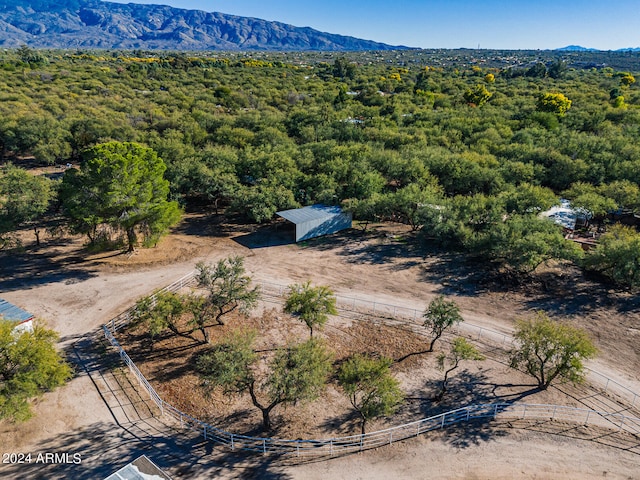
76 295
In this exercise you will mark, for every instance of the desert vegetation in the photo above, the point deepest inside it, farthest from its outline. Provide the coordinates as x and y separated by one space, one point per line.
468 155
266 361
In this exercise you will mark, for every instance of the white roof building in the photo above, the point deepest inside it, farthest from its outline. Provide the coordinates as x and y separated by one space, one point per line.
316 220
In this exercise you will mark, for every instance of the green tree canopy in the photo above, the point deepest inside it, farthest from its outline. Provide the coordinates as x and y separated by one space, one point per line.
370 387
547 350
617 256
120 184
296 373
554 103
312 305
160 312
460 350
477 96
440 315
29 366
24 198
228 289
523 242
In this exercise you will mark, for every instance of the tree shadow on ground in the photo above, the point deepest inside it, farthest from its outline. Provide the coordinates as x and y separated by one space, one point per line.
455 273
273 235
103 448
574 293
346 424
202 223
466 389
35 267
618 439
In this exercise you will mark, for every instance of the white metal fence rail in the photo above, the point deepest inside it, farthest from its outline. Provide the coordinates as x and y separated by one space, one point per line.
412 317
340 445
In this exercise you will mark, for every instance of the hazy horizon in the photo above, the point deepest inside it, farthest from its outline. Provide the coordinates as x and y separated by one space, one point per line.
489 24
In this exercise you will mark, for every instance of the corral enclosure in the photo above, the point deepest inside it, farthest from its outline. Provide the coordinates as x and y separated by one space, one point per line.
378 267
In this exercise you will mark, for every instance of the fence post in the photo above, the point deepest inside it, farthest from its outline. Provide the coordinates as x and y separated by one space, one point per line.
205 431
331 447
586 420
607 385
264 446
555 407
233 445
361 441
524 411
495 412
391 437
443 417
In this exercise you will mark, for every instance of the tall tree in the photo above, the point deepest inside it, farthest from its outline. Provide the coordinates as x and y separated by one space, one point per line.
24 198
161 312
228 289
296 373
548 350
312 305
617 256
440 315
370 387
29 366
121 184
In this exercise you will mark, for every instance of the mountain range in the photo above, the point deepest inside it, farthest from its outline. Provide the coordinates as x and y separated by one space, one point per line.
107 25
578 48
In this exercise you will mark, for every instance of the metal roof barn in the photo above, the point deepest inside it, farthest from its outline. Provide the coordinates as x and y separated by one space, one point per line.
9 311
22 318
316 220
140 469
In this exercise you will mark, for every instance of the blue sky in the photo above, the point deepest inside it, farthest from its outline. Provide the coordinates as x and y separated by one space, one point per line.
499 24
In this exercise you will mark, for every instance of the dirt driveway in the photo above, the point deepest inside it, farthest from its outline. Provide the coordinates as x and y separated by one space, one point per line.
75 294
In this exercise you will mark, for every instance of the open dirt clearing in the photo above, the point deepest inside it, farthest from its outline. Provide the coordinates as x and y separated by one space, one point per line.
76 294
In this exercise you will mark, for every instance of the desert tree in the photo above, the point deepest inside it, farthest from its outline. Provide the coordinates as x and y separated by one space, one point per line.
312 305
161 312
617 257
546 350
123 185
477 96
460 350
24 199
371 388
30 365
440 315
556 103
296 373
228 289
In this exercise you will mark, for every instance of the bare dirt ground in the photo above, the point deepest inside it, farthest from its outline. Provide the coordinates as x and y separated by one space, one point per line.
76 293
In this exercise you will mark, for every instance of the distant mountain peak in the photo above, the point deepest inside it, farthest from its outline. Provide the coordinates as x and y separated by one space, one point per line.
108 25
576 48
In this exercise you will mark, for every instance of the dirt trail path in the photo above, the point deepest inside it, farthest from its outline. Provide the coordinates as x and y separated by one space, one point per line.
76 299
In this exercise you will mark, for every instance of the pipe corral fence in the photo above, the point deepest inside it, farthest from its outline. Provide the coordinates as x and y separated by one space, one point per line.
356 443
